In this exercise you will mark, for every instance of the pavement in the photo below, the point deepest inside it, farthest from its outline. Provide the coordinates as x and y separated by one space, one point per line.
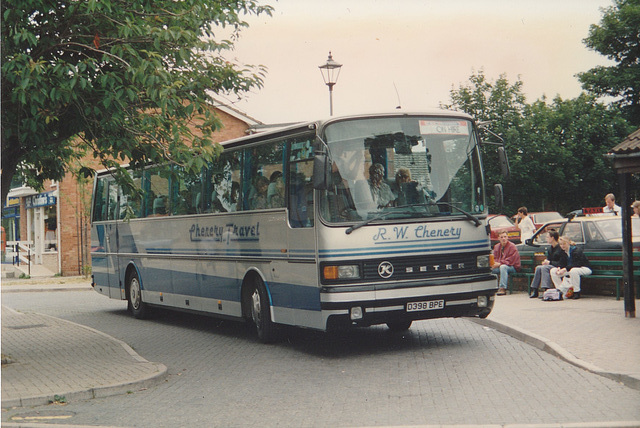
48 360
591 332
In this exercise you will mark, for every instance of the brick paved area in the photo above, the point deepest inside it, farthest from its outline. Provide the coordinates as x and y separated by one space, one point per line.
48 356
449 371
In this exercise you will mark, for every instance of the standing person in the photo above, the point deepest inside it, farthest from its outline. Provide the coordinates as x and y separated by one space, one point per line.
577 266
525 224
611 207
556 258
636 209
506 261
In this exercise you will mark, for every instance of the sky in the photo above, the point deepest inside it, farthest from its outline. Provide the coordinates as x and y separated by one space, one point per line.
410 53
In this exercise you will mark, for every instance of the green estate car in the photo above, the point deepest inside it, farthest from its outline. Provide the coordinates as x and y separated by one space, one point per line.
601 232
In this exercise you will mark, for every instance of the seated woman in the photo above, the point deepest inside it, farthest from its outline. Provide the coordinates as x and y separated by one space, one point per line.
577 266
258 200
556 258
380 191
408 191
275 191
159 207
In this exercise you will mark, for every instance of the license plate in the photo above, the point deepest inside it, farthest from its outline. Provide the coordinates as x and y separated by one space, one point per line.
425 306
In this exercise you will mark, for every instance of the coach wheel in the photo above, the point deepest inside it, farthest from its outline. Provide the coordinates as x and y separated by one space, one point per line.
399 325
136 306
261 313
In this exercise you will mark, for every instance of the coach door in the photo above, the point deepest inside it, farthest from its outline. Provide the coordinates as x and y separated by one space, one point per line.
112 238
301 233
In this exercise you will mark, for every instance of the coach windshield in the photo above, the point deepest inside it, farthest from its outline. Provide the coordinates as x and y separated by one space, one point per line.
392 168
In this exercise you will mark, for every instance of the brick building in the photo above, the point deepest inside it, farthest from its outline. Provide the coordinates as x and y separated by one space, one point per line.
53 225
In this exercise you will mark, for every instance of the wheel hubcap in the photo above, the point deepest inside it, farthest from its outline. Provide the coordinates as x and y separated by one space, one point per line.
134 292
256 306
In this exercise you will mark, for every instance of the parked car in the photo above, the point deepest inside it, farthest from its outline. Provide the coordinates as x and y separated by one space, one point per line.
540 218
599 233
499 223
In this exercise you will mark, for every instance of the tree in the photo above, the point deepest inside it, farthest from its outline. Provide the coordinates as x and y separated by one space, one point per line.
617 37
115 79
501 105
556 151
561 164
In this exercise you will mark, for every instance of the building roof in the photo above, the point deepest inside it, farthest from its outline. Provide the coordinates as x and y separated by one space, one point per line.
626 155
631 144
217 103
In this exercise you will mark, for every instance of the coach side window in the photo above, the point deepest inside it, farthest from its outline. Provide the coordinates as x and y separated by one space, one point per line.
187 198
100 202
157 195
300 183
112 208
264 182
226 194
131 199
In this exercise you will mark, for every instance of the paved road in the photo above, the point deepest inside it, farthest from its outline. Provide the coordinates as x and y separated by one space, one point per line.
440 372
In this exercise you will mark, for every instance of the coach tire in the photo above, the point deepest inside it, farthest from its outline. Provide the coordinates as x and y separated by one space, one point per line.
136 306
399 325
261 312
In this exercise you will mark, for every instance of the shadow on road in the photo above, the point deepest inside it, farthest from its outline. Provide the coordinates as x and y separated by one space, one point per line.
343 343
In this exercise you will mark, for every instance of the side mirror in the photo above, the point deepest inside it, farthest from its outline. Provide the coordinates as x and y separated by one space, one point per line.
499 195
321 171
504 162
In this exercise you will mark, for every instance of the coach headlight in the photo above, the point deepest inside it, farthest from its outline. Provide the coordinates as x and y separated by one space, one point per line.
341 272
483 261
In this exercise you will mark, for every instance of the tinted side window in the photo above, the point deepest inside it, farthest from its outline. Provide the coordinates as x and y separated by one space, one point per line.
131 201
574 232
187 198
112 200
157 193
225 183
100 202
300 183
264 185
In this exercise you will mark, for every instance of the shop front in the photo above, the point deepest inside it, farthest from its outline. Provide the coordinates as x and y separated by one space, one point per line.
42 227
10 227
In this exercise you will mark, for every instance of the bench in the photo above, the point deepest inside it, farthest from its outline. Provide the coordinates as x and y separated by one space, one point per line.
528 267
604 265
610 266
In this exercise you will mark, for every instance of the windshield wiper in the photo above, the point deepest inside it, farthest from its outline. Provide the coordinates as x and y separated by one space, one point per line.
378 217
470 216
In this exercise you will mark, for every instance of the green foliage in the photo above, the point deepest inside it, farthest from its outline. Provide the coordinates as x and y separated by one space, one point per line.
499 103
556 150
618 39
115 79
58 399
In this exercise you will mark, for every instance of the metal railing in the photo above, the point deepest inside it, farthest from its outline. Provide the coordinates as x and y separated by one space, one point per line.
22 253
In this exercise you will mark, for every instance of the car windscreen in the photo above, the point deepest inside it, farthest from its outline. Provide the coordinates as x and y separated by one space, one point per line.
612 229
500 221
547 217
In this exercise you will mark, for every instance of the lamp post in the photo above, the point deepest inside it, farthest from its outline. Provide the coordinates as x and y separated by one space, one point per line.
330 72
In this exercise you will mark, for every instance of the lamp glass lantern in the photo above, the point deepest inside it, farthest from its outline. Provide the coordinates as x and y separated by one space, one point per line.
330 73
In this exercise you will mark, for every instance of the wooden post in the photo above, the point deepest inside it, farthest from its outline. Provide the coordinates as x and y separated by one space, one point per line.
627 247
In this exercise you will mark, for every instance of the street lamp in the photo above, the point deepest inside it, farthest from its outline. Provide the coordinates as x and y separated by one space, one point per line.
330 72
